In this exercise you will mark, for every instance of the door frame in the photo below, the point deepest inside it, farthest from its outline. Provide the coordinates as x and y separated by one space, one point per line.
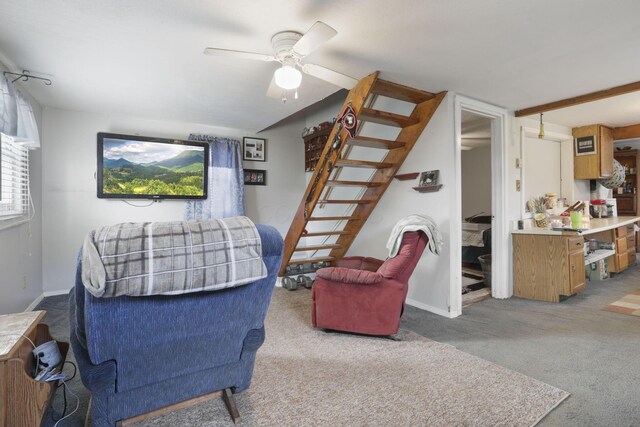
566 163
500 120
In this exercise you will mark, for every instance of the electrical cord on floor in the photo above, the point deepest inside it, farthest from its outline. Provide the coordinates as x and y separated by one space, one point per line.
77 403
64 395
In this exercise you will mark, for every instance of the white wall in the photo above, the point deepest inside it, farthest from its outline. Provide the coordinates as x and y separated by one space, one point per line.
476 181
537 170
21 246
541 160
71 207
429 285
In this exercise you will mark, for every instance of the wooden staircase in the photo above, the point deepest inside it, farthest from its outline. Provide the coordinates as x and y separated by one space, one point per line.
333 159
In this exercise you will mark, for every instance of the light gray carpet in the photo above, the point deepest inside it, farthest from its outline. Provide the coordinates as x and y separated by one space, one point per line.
574 345
309 377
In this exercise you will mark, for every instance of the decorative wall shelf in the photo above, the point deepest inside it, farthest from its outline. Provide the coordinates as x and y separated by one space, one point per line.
428 188
313 146
406 176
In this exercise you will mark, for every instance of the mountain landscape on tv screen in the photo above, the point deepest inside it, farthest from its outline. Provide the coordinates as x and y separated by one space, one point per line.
180 175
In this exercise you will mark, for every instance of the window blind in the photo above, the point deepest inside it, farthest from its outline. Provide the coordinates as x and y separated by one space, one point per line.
15 202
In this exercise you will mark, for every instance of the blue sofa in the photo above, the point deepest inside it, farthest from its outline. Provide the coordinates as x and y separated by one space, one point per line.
138 354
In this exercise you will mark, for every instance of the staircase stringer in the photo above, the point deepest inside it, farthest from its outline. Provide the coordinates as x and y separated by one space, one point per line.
409 135
357 98
369 101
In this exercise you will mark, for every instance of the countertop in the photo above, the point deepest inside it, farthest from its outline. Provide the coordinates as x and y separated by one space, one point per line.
595 226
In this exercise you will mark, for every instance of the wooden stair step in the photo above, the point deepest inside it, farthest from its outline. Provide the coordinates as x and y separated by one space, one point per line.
316 248
346 202
403 93
386 118
364 141
332 183
334 218
361 164
326 233
305 261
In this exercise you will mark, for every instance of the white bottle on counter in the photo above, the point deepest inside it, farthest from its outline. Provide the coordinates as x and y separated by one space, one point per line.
586 218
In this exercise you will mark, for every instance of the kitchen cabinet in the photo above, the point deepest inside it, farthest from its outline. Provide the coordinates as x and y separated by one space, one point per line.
577 277
550 264
624 238
625 195
547 267
599 164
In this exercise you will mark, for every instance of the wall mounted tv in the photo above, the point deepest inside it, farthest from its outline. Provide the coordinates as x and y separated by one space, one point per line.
141 167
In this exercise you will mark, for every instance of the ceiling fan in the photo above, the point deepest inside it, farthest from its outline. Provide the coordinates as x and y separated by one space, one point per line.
289 49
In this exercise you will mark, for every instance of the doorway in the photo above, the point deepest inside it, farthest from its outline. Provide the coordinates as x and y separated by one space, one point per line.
476 198
499 123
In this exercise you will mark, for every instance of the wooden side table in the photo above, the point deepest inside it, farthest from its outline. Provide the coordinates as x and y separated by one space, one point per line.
23 401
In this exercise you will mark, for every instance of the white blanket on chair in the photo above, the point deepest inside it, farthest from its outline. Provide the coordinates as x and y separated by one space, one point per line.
415 223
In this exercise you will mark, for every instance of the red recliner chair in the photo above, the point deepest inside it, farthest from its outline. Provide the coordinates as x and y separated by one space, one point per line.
366 295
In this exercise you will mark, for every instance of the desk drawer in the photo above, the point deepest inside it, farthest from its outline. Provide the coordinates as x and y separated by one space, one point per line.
621 245
575 244
631 242
621 231
631 255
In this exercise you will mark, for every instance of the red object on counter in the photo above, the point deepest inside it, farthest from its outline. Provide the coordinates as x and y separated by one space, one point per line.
599 202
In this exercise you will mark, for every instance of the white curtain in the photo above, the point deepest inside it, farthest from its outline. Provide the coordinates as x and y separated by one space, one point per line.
16 116
225 184
9 113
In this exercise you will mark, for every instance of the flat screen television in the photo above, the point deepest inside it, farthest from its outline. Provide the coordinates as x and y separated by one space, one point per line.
142 167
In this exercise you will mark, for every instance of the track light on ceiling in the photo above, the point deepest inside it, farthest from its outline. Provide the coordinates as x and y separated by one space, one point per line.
541 133
288 77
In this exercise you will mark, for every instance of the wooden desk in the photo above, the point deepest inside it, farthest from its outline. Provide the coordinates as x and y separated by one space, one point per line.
548 264
23 401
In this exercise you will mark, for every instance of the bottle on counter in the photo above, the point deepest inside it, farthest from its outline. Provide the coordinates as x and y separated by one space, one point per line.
586 218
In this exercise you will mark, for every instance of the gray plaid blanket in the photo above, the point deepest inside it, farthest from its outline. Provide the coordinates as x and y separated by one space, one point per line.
168 258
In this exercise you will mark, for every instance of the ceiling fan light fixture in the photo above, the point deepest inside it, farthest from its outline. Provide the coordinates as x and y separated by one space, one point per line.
288 77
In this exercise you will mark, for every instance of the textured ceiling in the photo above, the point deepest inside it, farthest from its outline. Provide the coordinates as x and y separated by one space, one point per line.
144 57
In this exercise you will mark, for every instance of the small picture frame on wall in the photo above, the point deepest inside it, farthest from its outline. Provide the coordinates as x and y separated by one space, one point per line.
255 177
254 149
429 178
586 145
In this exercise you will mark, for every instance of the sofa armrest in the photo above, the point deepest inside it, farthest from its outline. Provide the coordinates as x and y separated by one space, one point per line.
360 263
349 275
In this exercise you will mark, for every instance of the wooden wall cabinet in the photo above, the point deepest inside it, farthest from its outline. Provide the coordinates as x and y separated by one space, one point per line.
600 164
546 267
625 195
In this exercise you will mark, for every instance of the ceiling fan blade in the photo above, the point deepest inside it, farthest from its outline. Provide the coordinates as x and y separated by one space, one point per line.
330 76
314 38
274 91
238 54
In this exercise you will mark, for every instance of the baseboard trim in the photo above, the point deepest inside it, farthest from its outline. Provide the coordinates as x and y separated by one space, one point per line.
35 303
427 307
58 292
